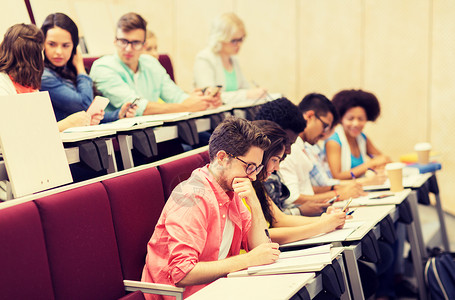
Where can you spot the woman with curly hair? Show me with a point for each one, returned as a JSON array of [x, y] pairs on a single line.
[[349, 151]]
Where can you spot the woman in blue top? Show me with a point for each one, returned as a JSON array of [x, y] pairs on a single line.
[[348, 150], [64, 76]]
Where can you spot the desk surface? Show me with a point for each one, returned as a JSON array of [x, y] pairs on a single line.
[[273, 287], [314, 267], [268, 287], [366, 216], [413, 181], [70, 137], [371, 216], [396, 199]]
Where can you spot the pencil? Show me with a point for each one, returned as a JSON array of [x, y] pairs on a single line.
[[347, 204]]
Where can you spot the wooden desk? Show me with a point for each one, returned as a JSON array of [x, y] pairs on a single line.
[[414, 230], [273, 287], [267, 287], [72, 153], [166, 132]]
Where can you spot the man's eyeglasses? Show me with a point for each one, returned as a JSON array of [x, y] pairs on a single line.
[[237, 41], [123, 43], [250, 168], [324, 124]]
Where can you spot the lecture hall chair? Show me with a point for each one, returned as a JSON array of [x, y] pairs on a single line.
[[136, 202], [80, 240], [164, 60], [174, 172], [23, 255]]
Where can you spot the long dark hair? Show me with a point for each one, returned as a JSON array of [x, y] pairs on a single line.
[[62, 21], [20, 54], [278, 139]]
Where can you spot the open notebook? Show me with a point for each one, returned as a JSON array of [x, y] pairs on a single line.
[[306, 260]]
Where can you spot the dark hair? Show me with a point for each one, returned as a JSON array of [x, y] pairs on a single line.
[[320, 104], [347, 99], [131, 21], [284, 113], [278, 140], [64, 22], [236, 136], [20, 54]]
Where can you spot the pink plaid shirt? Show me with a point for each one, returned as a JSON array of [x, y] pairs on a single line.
[[190, 230]]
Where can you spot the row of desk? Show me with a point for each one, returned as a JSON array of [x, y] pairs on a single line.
[[148, 132], [403, 207], [96, 146]]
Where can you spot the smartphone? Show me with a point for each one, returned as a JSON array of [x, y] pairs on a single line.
[[99, 103], [212, 91], [132, 105], [332, 199], [134, 102]]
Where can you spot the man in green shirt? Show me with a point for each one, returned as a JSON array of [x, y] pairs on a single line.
[[128, 75]]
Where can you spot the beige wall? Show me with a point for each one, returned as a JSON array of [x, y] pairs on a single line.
[[400, 50]]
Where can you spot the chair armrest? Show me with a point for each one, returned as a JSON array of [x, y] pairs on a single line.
[[154, 288]]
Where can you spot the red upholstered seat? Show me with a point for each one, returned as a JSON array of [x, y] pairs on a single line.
[[88, 62], [205, 156], [136, 202], [166, 62], [174, 172], [23, 259], [80, 241]]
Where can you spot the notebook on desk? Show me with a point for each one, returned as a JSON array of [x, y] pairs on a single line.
[[337, 235], [306, 260]]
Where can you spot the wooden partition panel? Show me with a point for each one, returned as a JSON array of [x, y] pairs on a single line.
[[442, 97], [396, 70], [330, 46], [12, 12], [269, 55], [192, 22]]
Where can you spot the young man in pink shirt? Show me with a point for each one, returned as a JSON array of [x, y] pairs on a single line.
[[204, 223]]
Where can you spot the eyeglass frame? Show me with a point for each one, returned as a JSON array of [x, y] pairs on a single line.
[[324, 124], [256, 170], [128, 42], [237, 41]]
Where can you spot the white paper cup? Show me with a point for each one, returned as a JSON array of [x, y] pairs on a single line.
[[423, 152], [395, 174]]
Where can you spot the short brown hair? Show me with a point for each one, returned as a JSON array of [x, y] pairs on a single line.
[[21, 54], [236, 136], [131, 21]]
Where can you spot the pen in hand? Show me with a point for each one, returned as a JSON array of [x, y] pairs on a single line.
[[353, 176], [372, 170], [268, 235], [347, 205]]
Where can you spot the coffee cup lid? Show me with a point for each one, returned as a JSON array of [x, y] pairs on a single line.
[[422, 146], [394, 166]]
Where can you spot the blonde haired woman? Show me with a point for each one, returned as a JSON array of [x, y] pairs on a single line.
[[217, 63]]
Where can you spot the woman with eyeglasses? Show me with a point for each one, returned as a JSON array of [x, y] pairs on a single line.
[[287, 228], [350, 153], [64, 77], [217, 63]]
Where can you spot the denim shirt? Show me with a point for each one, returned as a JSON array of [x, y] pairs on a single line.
[[68, 98]]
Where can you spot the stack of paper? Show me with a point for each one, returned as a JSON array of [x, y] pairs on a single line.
[[298, 261], [338, 235]]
